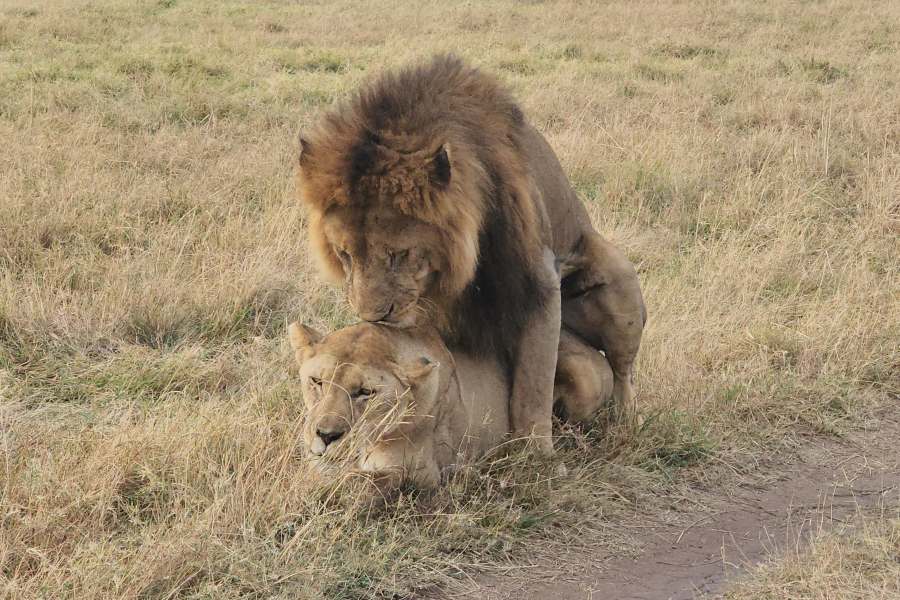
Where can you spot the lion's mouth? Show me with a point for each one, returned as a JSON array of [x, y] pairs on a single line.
[[401, 319]]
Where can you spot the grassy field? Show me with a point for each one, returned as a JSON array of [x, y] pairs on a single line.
[[860, 562], [745, 154]]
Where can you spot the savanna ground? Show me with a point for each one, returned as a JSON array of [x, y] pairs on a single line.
[[857, 562], [745, 154]]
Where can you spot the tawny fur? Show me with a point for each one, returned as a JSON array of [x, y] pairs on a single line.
[[439, 158], [436, 409]]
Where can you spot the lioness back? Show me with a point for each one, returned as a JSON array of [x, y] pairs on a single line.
[[481, 420]]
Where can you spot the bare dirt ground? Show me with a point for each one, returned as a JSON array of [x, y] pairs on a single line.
[[694, 553]]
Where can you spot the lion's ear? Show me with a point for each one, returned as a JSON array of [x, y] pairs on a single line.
[[302, 336], [304, 150], [439, 167]]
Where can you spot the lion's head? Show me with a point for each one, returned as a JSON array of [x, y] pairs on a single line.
[[404, 186], [364, 385], [389, 223], [388, 260]]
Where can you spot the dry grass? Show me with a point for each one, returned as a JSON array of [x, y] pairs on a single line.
[[858, 562], [746, 155]]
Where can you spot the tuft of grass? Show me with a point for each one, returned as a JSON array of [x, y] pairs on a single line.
[[518, 66], [674, 440], [687, 51], [859, 560], [316, 98], [817, 70], [657, 73], [188, 66], [568, 52], [822, 70], [321, 62]]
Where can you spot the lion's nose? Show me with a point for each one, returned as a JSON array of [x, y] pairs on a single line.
[[373, 316], [329, 435]]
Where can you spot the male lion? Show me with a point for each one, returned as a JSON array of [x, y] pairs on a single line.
[[398, 405], [432, 198]]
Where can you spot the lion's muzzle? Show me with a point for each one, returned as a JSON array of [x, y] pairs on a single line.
[[377, 315]]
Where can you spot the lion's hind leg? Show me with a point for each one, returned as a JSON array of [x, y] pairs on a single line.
[[603, 305], [584, 381]]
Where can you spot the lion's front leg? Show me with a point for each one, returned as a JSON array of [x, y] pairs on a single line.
[[531, 402]]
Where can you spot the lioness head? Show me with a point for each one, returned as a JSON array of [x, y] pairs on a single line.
[[363, 385]]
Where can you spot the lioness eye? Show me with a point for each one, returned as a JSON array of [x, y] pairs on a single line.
[[363, 393], [345, 257], [316, 381]]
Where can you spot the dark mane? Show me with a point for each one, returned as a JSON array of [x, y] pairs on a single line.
[[443, 98], [493, 310], [448, 122]]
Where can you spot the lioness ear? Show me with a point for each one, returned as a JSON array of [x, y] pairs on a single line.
[[302, 336], [420, 372], [439, 167]]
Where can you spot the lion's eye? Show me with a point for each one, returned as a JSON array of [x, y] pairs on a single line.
[[315, 381], [363, 394], [345, 257], [396, 258]]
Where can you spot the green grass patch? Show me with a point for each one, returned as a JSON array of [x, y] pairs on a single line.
[[657, 73], [817, 70], [518, 66], [674, 440], [687, 51], [311, 62], [110, 373], [822, 71]]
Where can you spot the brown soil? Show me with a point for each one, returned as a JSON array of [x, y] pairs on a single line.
[[689, 555]]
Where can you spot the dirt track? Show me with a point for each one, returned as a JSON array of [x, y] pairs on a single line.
[[697, 554]]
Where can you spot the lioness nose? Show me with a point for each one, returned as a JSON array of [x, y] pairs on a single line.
[[329, 435]]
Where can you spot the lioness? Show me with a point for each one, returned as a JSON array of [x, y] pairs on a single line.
[[405, 408], [432, 198]]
